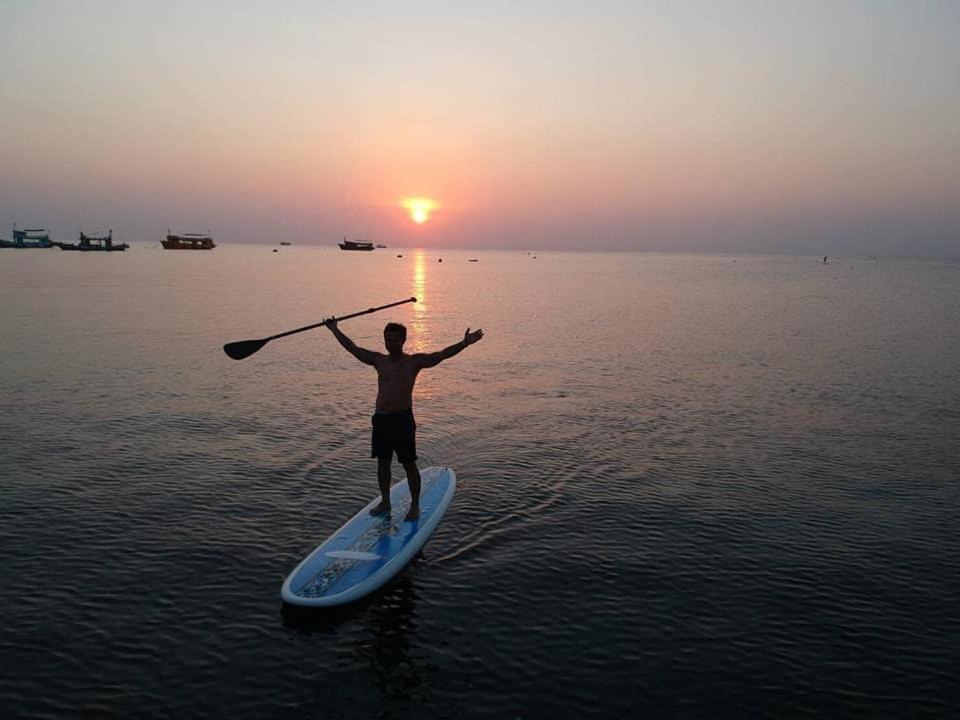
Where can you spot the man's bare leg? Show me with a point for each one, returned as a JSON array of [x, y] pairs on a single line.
[[383, 478], [413, 478]]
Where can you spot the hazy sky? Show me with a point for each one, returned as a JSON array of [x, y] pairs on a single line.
[[811, 127]]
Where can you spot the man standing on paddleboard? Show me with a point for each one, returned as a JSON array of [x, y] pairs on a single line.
[[394, 429]]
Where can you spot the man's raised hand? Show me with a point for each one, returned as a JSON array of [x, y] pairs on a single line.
[[469, 338]]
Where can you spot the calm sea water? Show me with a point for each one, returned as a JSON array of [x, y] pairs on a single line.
[[689, 486]]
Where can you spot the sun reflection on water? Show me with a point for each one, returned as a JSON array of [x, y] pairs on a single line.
[[418, 288]]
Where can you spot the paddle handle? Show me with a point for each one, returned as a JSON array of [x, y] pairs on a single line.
[[345, 317]]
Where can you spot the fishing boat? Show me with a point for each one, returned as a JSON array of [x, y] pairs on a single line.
[[284, 242], [188, 241], [355, 245], [94, 243], [28, 238]]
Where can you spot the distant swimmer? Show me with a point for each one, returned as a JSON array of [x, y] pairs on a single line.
[[824, 259]]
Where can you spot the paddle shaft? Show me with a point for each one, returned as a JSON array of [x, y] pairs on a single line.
[[345, 317]]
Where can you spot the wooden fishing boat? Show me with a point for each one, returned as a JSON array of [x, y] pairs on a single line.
[[355, 245], [37, 238], [94, 243], [188, 241]]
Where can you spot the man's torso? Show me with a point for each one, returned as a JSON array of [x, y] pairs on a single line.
[[395, 381]]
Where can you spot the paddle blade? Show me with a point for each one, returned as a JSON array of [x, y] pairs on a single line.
[[243, 348]]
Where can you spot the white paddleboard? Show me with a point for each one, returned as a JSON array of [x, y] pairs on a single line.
[[369, 550]]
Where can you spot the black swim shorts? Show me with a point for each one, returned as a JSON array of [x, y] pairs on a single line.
[[394, 432]]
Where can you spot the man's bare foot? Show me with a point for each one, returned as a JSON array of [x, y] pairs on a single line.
[[382, 509], [414, 513]]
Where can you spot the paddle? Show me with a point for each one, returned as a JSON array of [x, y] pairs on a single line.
[[245, 348]]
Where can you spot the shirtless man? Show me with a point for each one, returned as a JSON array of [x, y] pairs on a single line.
[[394, 429]]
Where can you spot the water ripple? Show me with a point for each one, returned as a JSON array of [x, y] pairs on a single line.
[[713, 504]]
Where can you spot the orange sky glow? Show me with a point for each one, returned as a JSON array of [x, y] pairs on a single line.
[[691, 128]]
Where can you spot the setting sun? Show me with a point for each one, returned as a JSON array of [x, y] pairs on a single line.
[[419, 208]]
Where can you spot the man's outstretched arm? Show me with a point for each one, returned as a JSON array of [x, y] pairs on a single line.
[[428, 360], [365, 356]]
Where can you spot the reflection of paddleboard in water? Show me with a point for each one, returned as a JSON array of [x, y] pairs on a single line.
[[369, 550]]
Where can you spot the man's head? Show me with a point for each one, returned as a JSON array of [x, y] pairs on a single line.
[[394, 335]]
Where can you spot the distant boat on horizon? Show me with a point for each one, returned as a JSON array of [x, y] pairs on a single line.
[[36, 238], [188, 241], [355, 245], [94, 243]]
